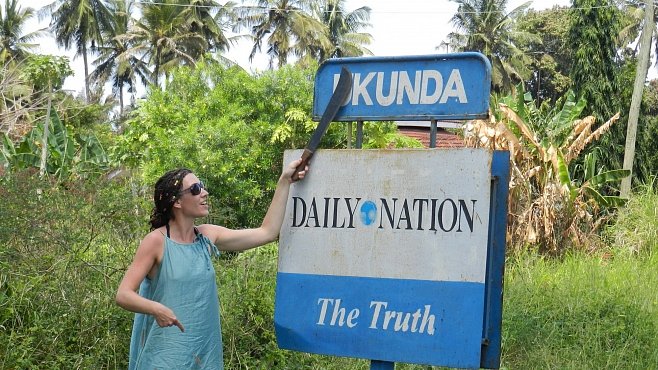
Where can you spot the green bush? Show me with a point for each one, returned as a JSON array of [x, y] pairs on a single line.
[[63, 250]]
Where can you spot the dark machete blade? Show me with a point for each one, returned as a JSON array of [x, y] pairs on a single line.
[[343, 88]]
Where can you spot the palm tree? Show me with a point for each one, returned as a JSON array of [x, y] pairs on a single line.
[[163, 37], [484, 26], [79, 23], [13, 43], [633, 13], [344, 27], [115, 61], [288, 26], [210, 26]]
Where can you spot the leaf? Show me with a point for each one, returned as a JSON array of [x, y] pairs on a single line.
[[615, 201], [590, 165], [592, 193], [583, 129], [609, 176], [7, 149], [601, 130], [571, 110], [512, 116], [563, 174]]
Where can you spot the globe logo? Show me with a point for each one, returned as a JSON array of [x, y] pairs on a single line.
[[368, 212]]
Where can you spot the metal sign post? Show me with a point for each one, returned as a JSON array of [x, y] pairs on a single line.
[[400, 258]]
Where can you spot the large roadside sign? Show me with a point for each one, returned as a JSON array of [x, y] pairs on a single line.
[[426, 87], [390, 258]]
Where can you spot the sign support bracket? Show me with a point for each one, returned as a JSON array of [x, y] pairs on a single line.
[[349, 135], [381, 365], [359, 134], [433, 133]]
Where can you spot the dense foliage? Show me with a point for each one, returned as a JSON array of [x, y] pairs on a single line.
[[597, 69], [595, 64], [646, 157], [549, 55]]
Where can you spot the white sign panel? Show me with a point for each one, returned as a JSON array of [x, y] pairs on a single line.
[[383, 256]]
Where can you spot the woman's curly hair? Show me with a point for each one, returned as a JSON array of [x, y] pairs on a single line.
[[167, 190]]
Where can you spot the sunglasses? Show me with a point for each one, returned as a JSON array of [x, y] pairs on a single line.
[[195, 189]]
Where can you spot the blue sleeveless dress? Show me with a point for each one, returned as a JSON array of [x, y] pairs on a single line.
[[185, 283]]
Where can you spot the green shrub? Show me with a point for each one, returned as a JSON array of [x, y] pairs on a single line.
[[63, 250], [227, 126]]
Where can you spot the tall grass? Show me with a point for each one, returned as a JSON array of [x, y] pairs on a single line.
[[581, 312], [636, 227], [588, 311]]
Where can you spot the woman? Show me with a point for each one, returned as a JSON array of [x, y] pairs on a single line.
[[177, 323]]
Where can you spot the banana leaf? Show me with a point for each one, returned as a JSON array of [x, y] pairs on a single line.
[[27, 153], [7, 149], [604, 200], [615, 201], [564, 176], [561, 124], [608, 176], [590, 165]]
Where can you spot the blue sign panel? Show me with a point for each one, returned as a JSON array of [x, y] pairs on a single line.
[[448, 86], [400, 320]]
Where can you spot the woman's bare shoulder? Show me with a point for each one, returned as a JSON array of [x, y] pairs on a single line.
[[212, 232], [153, 240]]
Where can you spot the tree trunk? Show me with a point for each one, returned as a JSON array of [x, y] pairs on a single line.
[[156, 68], [636, 100], [44, 148], [84, 57], [120, 100]]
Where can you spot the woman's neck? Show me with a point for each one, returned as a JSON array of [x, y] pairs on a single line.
[[182, 230]]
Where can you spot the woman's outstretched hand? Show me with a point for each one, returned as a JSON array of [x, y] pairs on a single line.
[[290, 170]]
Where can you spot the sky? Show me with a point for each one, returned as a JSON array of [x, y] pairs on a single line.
[[416, 28]]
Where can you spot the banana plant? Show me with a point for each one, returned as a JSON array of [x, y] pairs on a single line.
[[69, 155], [547, 203]]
